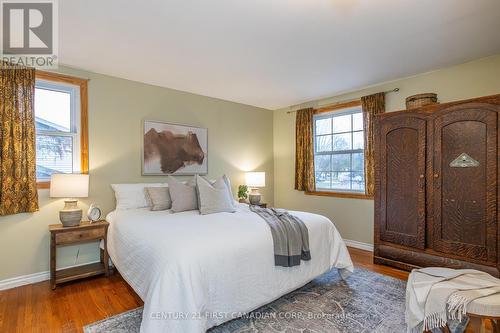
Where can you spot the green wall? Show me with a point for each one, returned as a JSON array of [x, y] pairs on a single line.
[[239, 136], [354, 217]]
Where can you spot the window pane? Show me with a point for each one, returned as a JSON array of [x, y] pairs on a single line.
[[358, 140], [339, 137], [54, 154], [323, 180], [342, 141], [342, 124], [52, 110], [324, 143], [341, 180], [357, 122], [358, 162], [322, 163], [358, 181], [341, 162], [324, 126]]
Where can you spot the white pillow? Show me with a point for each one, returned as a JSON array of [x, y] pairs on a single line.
[[132, 196], [228, 184], [214, 198]]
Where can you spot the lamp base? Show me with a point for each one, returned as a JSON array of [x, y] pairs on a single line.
[[71, 215], [254, 197]]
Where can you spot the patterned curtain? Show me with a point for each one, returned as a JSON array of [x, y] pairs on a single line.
[[372, 105], [18, 190], [304, 155]]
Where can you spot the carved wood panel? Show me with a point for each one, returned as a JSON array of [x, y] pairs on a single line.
[[461, 226], [464, 186], [401, 174]]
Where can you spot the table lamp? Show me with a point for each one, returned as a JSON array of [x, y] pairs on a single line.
[[69, 186], [254, 180]]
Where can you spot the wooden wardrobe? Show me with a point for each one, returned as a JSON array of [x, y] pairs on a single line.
[[437, 186]]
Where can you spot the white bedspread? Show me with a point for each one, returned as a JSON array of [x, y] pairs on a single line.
[[197, 271]]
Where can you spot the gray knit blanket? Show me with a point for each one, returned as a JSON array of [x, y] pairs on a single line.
[[290, 236]]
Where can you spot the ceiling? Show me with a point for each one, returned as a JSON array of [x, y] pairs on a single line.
[[273, 53]]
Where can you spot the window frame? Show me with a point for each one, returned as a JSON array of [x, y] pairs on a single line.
[[81, 85], [339, 109]]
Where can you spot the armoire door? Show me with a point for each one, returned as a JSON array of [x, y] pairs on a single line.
[[401, 161], [464, 187]]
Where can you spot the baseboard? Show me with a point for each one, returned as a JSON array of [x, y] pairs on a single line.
[[44, 276], [359, 245], [19, 281]]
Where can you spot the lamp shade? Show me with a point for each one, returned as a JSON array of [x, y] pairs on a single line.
[[255, 179], [67, 185]]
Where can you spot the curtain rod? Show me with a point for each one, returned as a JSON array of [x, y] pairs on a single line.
[[346, 101]]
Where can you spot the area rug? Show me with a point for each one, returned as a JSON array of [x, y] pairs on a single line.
[[365, 302]]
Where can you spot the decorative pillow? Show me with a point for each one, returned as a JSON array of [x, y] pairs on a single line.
[[214, 198], [226, 181], [228, 184], [132, 196], [159, 197], [183, 195]]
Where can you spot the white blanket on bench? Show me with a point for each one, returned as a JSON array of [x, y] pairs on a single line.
[[434, 295]]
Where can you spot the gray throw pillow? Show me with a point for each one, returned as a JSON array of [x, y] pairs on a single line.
[[183, 195], [214, 198], [226, 180], [159, 198]]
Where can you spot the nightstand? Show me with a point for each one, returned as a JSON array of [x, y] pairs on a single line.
[[84, 233], [261, 205]]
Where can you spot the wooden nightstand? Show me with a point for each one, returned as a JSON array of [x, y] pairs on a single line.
[[84, 233], [261, 205]]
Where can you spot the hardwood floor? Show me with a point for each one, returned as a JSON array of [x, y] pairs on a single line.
[[36, 308], [364, 259]]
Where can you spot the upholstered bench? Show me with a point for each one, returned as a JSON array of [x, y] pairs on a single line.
[[483, 309]]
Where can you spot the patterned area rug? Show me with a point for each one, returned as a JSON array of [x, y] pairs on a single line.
[[365, 302]]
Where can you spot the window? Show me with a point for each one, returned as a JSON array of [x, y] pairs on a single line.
[[339, 150], [60, 121]]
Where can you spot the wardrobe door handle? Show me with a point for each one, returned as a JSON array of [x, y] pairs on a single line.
[[437, 183]]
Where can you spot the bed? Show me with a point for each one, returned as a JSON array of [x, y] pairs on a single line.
[[197, 271]]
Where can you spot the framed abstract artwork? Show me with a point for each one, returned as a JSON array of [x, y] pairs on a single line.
[[172, 149]]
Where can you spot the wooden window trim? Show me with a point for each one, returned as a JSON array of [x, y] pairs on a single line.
[[338, 106], [350, 195], [84, 128]]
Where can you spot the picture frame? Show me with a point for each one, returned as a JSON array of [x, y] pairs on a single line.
[[173, 149]]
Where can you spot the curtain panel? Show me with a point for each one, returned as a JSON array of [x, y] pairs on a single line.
[[304, 150], [18, 189], [372, 105]]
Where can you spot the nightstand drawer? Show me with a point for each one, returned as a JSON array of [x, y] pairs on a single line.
[[79, 235]]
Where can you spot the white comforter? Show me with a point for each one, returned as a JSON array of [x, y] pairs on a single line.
[[197, 271]]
